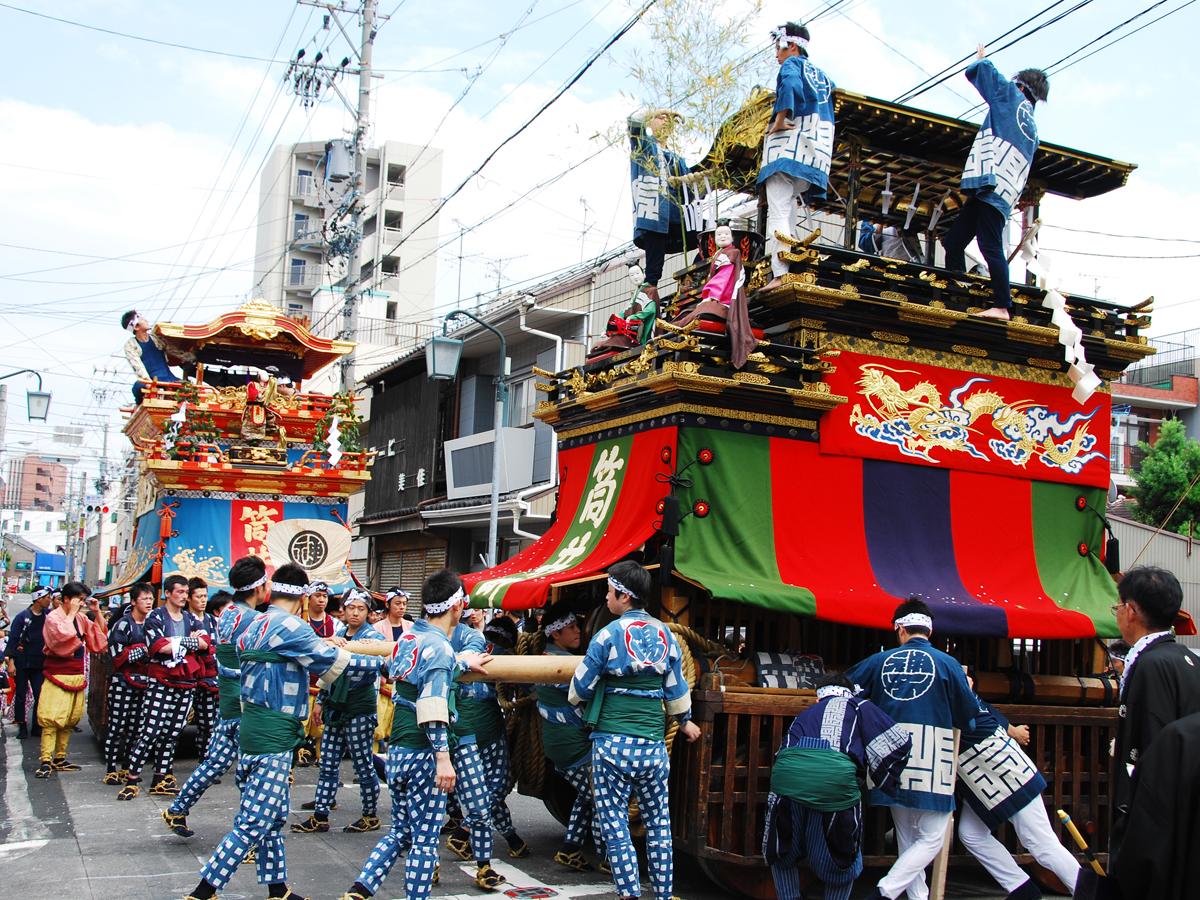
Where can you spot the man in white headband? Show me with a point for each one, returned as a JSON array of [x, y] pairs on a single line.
[[476, 725], [276, 654], [814, 811], [798, 146], [144, 353], [348, 710], [565, 740], [177, 645], [25, 657], [926, 692], [391, 626], [316, 596], [235, 612], [630, 676], [420, 770]]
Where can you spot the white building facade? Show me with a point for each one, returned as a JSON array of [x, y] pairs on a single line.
[[299, 197]]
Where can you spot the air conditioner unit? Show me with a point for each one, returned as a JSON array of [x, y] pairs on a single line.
[[469, 463]]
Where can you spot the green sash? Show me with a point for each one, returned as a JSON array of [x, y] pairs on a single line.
[[343, 702], [479, 717], [643, 717], [564, 745], [268, 731], [229, 689], [405, 730], [826, 780]]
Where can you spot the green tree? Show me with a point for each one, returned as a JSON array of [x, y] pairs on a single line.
[[1169, 470]]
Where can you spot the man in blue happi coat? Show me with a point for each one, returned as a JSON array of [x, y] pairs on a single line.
[[276, 653], [996, 171], [420, 770], [798, 146], [925, 691], [629, 682], [666, 217], [475, 786], [348, 713], [248, 578], [814, 811], [1001, 784], [565, 739]]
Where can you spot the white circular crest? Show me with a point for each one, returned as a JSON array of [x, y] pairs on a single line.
[[818, 81], [1025, 121], [908, 674]]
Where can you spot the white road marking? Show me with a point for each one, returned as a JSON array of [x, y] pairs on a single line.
[[21, 848], [518, 879], [25, 825]]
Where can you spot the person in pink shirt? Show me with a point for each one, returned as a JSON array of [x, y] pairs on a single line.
[[70, 632]]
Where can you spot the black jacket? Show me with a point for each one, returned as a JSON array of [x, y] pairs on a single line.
[[1162, 686], [26, 646]]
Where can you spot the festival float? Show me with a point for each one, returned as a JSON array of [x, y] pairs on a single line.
[[240, 459], [876, 441]]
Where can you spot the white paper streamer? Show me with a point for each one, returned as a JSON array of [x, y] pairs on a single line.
[[335, 443], [1070, 336]]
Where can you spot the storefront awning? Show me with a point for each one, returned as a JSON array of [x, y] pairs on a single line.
[[606, 509]]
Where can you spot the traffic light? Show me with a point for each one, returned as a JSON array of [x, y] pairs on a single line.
[[96, 508]]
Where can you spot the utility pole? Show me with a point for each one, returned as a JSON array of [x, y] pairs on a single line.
[[361, 130]]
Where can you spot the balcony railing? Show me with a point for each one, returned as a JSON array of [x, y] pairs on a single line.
[[393, 332], [305, 188], [304, 278]]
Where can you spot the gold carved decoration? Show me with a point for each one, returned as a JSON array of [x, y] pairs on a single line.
[[947, 360], [1032, 334], [890, 337], [937, 316], [857, 266], [966, 350], [893, 295], [1048, 364], [1134, 348], [736, 415], [750, 378], [932, 279]]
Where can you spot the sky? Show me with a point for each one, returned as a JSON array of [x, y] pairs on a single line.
[[130, 168]]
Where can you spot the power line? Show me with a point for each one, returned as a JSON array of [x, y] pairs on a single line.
[[180, 46], [1054, 69], [440, 205], [1121, 255], [951, 70], [1130, 237]]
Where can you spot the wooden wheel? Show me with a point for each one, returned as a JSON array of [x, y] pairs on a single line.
[[740, 881]]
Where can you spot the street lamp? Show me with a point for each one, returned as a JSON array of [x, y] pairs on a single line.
[[442, 357], [37, 402]]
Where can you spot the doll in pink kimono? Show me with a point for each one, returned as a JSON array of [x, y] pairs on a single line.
[[723, 296]]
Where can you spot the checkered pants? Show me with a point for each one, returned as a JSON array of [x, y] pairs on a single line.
[[124, 717], [621, 764], [494, 757], [357, 734], [222, 753], [164, 714], [418, 809], [207, 706], [261, 815], [474, 794], [579, 776]]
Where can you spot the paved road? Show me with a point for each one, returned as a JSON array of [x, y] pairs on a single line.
[[67, 836]]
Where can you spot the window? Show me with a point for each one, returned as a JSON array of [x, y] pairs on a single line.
[[522, 398], [300, 226], [48, 524], [395, 175], [391, 265], [390, 309]]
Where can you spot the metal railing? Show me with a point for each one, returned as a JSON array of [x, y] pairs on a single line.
[[304, 277], [305, 188], [393, 332]]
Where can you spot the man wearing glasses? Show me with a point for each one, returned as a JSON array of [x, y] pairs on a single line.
[[1161, 681]]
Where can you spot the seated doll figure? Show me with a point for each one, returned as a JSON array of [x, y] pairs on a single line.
[[636, 324], [723, 297]]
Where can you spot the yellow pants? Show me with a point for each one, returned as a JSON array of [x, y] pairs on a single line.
[[58, 712], [311, 729], [384, 711]]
